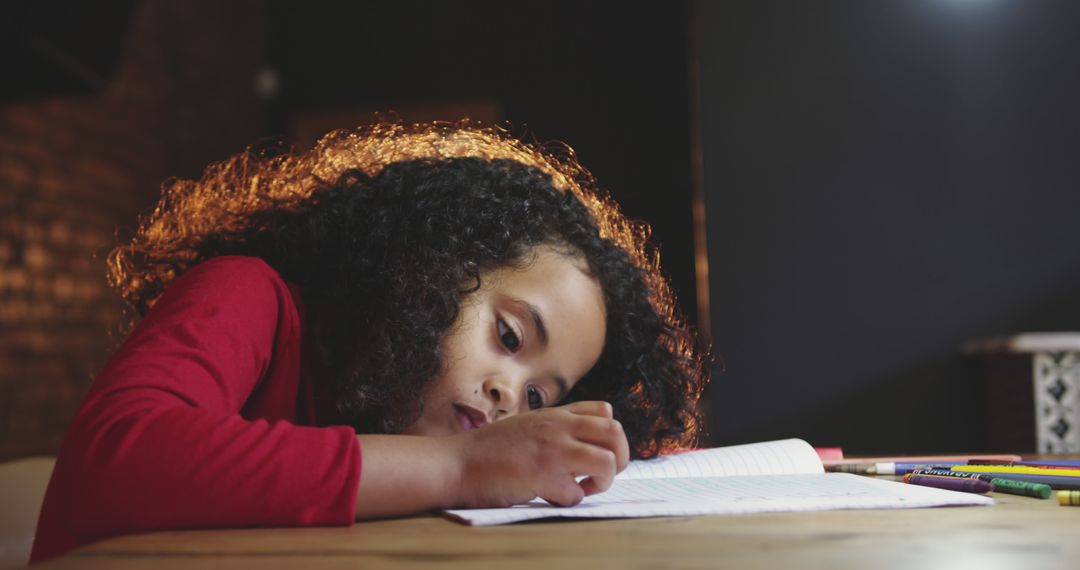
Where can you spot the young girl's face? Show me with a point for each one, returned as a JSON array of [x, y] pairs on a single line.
[[521, 342]]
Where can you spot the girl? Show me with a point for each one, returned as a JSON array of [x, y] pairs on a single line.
[[423, 287]]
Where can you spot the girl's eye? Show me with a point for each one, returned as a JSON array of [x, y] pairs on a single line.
[[536, 400], [508, 337]]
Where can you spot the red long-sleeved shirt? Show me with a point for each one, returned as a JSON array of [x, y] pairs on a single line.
[[207, 416]]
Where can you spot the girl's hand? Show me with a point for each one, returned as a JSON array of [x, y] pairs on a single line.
[[540, 454]]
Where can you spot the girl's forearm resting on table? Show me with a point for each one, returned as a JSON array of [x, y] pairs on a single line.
[[405, 474]]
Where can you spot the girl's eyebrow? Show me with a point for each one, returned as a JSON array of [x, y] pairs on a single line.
[[538, 321]]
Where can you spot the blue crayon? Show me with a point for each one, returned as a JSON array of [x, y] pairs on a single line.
[[905, 468]]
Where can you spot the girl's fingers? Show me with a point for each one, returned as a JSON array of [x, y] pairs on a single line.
[[594, 446], [604, 433], [601, 478], [597, 463], [591, 408], [592, 486], [563, 492]]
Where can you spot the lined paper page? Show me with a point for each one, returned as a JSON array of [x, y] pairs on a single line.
[[770, 457], [732, 495]]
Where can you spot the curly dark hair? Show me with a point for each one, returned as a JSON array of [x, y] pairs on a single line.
[[386, 229]]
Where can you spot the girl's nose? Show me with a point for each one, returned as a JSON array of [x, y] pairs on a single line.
[[503, 395]]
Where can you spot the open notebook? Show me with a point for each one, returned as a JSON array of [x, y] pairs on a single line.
[[774, 476]]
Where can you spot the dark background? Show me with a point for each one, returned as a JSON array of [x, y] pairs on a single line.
[[883, 181], [608, 79]]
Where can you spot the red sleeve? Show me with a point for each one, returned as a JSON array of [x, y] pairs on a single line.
[[160, 442]]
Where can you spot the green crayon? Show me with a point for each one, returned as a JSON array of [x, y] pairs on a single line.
[[1026, 488]]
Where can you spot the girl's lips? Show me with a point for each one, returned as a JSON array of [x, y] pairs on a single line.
[[470, 418]]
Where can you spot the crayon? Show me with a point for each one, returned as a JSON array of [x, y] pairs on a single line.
[[1017, 469], [1052, 463], [951, 483], [1001, 484], [1069, 498], [1043, 463], [950, 473], [1026, 488], [927, 459], [902, 468]]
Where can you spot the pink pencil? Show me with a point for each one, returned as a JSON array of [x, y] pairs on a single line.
[[921, 459]]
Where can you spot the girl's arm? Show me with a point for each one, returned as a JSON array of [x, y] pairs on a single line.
[[404, 474], [161, 442], [537, 454]]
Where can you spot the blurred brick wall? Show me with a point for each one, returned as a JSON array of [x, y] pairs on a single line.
[[68, 175], [74, 175]]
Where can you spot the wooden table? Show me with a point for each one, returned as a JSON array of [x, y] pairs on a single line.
[[1016, 533]]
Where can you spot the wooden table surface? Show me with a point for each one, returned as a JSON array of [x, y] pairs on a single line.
[[1016, 533]]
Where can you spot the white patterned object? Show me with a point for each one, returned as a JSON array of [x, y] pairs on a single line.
[[1057, 401]]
